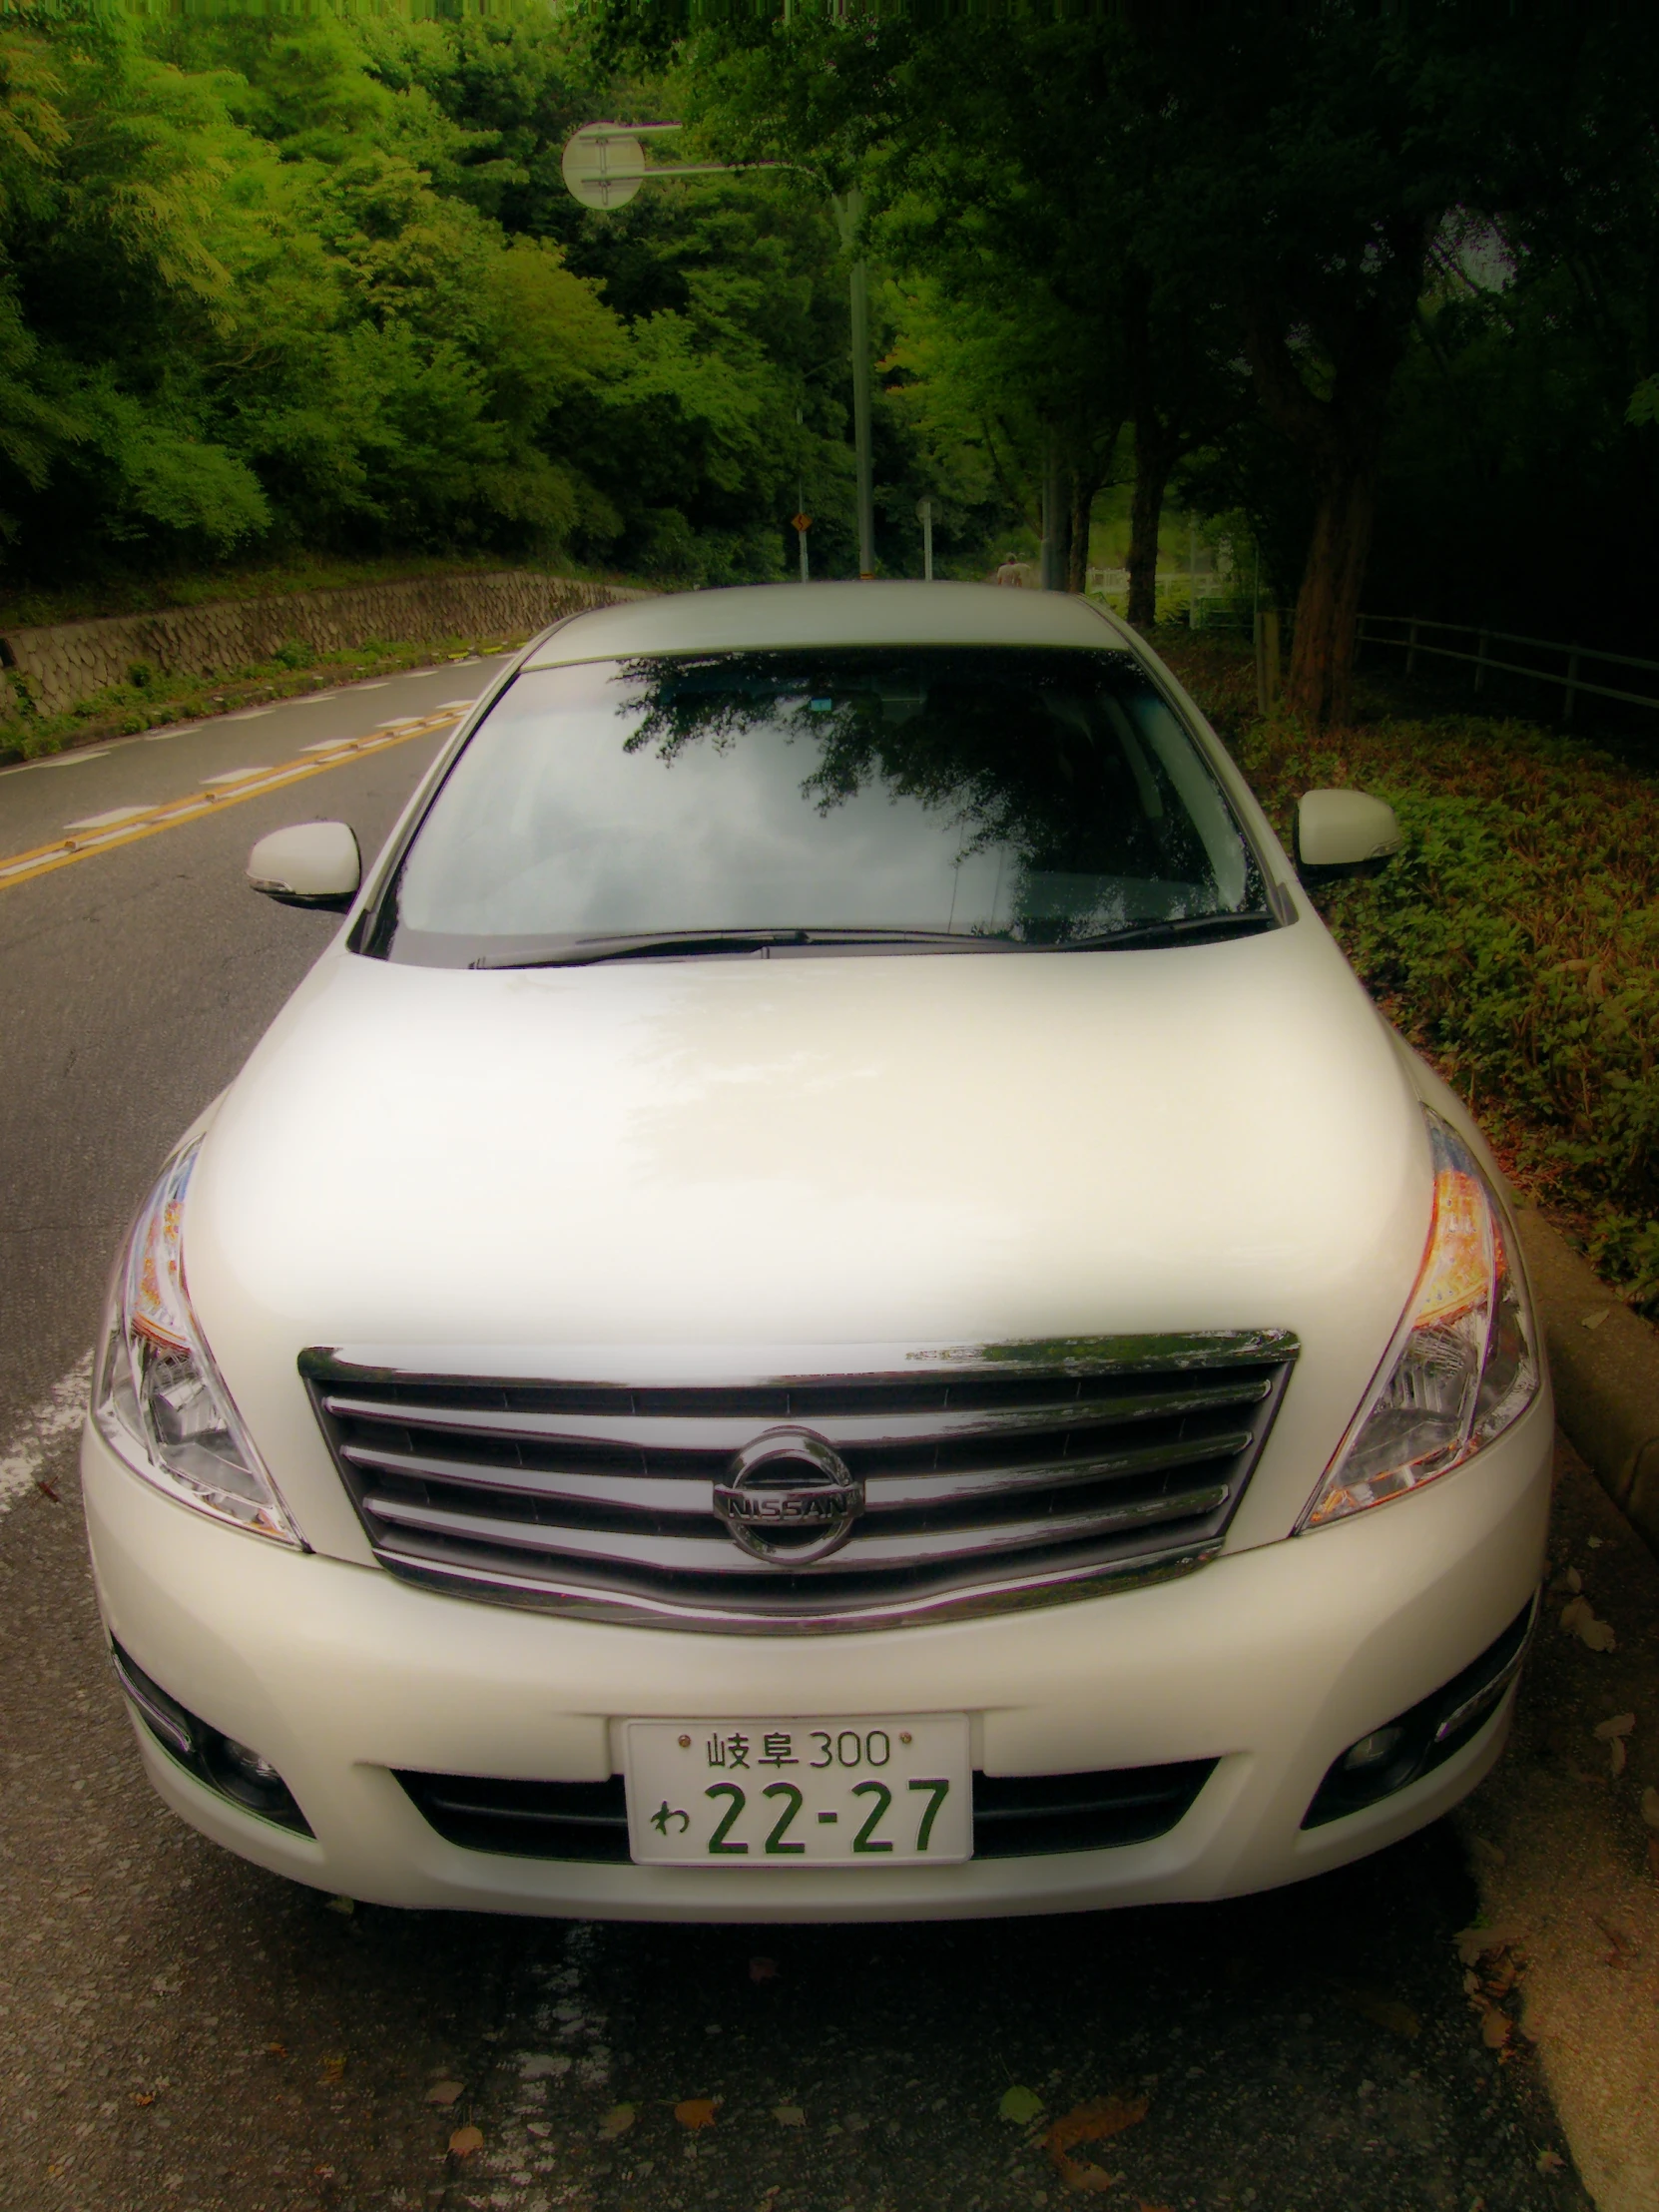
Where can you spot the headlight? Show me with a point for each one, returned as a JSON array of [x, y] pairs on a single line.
[[158, 1398], [1464, 1363]]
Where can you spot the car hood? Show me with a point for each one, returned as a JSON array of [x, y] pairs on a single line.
[[769, 1157]]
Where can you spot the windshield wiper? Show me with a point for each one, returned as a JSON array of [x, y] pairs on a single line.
[[1172, 932], [668, 944]]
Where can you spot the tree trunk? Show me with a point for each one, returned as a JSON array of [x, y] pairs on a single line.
[[1320, 687], [1339, 437], [1084, 484], [1146, 507]]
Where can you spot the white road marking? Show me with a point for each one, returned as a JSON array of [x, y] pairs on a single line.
[[70, 760], [455, 706], [105, 822], [250, 713], [58, 1415], [232, 776]]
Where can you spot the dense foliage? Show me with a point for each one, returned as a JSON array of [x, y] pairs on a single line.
[[277, 281]]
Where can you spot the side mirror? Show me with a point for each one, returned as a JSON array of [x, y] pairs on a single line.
[[1343, 833], [315, 863]]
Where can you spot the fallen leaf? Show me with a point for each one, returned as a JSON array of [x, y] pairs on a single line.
[[1579, 1609], [1092, 2123], [617, 2121], [1502, 1978], [1386, 2012], [333, 2064], [1594, 1320], [277, 2051], [1597, 1635], [543, 2065], [696, 2112], [1494, 2027], [466, 2140], [144, 2096], [342, 1905], [1624, 1948], [763, 1970], [1569, 1579], [1550, 2161], [788, 2115], [1474, 1944], [1617, 1756], [1019, 2105], [1621, 1724], [1650, 1807], [445, 2092]]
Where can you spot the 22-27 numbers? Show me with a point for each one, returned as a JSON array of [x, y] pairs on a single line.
[[925, 1797]]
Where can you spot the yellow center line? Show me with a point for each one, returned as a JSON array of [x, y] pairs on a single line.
[[42, 860]]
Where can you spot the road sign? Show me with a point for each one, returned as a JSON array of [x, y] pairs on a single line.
[[801, 522], [925, 510]]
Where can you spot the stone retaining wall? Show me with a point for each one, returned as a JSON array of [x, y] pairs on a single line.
[[61, 663]]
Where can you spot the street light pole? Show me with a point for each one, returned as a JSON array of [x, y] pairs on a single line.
[[603, 165]]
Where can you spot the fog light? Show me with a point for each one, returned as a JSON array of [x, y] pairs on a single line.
[[236, 1771], [1415, 1743], [1371, 1750], [252, 1768]]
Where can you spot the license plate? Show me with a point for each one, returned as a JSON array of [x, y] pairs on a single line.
[[794, 1793]]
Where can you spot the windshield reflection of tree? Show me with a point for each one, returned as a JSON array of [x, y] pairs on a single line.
[[1039, 761]]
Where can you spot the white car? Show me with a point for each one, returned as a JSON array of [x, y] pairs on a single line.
[[832, 1304]]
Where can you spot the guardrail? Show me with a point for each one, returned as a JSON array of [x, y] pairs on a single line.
[[1407, 631]]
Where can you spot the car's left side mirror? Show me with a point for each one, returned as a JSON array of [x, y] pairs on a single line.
[[1343, 833], [315, 863]]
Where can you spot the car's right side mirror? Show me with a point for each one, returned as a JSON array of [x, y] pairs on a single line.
[[315, 863], [1343, 833]]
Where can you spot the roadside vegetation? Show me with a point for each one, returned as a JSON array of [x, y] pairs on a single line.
[[282, 290], [122, 710], [1515, 941]]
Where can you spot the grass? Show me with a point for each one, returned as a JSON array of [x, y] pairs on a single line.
[[125, 709], [1515, 941]]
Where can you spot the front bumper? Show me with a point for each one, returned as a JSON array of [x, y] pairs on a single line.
[[1269, 1661]]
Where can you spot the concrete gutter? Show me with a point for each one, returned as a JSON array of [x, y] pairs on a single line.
[[1605, 1363]]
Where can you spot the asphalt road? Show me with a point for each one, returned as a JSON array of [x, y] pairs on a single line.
[[179, 2029]]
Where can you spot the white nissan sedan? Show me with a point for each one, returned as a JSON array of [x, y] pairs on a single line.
[[832, 1304]]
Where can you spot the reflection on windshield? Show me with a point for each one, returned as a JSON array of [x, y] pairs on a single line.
[[1034, 798]]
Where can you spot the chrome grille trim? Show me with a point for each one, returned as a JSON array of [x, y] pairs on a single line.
[[989, 1476]]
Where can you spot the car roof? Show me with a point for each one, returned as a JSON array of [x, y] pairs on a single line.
[[759, 617]]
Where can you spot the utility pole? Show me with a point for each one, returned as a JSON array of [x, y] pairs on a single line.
[[603, 165], [849, 213], [925, 515]]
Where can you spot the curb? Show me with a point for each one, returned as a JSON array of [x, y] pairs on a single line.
[[1604, 1360]]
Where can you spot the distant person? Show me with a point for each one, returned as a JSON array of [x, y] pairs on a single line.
[[1011, 572]]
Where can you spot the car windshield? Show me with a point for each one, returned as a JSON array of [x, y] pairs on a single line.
[[994, 798]]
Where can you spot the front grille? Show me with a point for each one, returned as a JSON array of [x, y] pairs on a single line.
[[1014, 1816], [986, 1477]]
